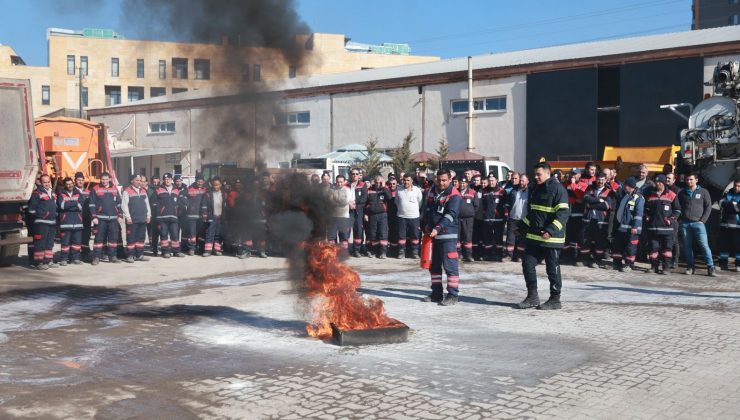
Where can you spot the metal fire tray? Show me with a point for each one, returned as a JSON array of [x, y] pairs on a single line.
[[398, 333]]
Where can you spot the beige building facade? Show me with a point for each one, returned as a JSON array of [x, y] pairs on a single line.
[[117, 71]]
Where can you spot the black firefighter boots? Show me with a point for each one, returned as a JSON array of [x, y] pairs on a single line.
[[434, 297], [449, 300], [532, 300], [551, 304]]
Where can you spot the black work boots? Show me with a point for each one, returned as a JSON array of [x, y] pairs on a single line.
[[551, 304], [532, 300]]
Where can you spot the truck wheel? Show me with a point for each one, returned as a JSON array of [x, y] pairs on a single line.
[[9, 253]]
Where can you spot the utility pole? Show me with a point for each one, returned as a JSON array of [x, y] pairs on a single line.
[[79, 83]]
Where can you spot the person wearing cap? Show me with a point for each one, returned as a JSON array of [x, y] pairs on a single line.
[[598, 200], [662, 211], [43, 210], [105, 208], [137, 213], [213, 206], [153, 225], [168, 197], [628, 223], [494, 214], [86, 215], [696, 207], [376, 216], [193, 230], [70, 205], [469, 204]]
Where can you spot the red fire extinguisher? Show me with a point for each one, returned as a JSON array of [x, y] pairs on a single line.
[[426, 252]]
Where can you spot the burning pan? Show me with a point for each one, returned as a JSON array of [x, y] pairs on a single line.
[[398, 333]]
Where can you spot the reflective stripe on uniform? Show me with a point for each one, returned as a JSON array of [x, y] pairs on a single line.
[[557, 224], [542, 208], [539, 238]]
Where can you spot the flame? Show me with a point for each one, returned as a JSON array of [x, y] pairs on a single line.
[[332, 288]]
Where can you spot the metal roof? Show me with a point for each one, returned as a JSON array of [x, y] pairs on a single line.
[[352, 154], [580, 51]]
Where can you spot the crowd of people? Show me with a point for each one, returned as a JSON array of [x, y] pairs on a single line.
[[378, 217]]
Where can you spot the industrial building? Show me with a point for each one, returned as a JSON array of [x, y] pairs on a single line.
[[715, 13], [557, 102], [93, 68]]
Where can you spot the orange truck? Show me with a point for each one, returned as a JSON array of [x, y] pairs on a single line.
[[71, 145], [626, 160]]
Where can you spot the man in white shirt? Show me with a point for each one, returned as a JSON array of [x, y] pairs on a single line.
[[409, 201]]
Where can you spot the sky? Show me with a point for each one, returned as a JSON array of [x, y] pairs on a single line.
[[432, 27]]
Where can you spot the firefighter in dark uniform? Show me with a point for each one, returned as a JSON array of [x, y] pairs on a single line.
[[214, 208], [597, 200], [86, 215], [493, 215], [43, 210], [662, 211], [376, 215], [153, 226], [357, 209], [628, 225], [468, 207], [137, 213], [729, 227], [70, 204], [168, 197], [546, 220], [440, 223], [105, 208], [193, 229]]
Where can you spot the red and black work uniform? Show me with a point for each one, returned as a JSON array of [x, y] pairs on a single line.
[[168, 211], [393, 231], [43, 209], [517, 202], [661, 212], [548, 212], [136, 211], [469, 203], [259, 208], [193, 230], [71, 205], [478, 226], [441, 214], [574, 229], [598, 203], [628, 221], [493, 216], [376, 209], [86, 221], [105, 206], [213, 208], [729, 228], [153, 227], [359, 195]]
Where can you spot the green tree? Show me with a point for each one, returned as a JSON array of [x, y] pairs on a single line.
[[443, 149], [371, 165], [402, 161]]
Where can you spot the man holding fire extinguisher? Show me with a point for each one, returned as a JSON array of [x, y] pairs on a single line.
[[440, 227]]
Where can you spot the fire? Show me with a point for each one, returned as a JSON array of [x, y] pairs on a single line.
[[332, 287]]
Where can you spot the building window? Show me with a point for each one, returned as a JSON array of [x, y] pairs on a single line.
[[84, 96], [167, 127], [202, 69], [733, 20], [114, 67], [256, 73], [495, 104], [140, 68], [180, 68], [293, 118], [45, 95], [70, 64], [162, 69], [245, 72], [291, 72], [135, 93], [179, 90], [112, 95], [83, 65], [157, 91]]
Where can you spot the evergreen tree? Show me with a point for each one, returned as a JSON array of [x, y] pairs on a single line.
[[402, 161], [443, 149], [371, 166]]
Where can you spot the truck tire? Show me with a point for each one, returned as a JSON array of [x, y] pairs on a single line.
[[9, 253]]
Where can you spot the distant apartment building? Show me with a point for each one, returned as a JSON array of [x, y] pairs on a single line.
[[117, 71], [715, 13]]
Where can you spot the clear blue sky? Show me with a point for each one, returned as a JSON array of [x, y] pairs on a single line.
[[440, 27]]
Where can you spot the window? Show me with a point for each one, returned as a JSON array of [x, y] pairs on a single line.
[[83, 65], [70, 64], [245, 72], [495, 104], [179, 90], [291, 72], [167, 127], [112, 95], [162, 69], [180, 68], [140, 68], [157, 91], [733, 20], [84, 96], [114, 67], [45, 95], [202, 69], [293, 118], [135, 93], [256, 73]]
